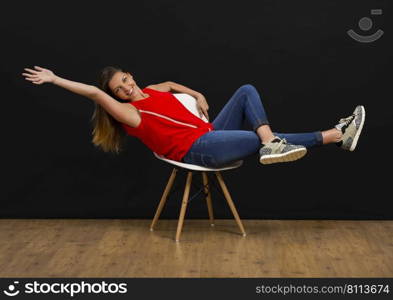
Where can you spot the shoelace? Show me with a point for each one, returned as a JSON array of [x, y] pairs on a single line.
[[347, 120], [280, 143]]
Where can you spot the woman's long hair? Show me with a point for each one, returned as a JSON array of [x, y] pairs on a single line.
[[107, 132]]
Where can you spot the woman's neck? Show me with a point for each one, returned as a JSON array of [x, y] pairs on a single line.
[[143, 96], [140, 95]]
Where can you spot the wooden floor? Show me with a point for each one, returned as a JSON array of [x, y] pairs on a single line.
[[126, 248]]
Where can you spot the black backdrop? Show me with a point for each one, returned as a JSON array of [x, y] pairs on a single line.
[[297, 54]]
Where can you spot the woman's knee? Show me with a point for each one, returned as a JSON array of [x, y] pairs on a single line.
[[248, 88]]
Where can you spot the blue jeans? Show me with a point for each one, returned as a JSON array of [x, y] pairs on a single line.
[[228, 142]]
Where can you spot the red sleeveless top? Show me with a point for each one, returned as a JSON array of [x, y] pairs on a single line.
[[167, 127]]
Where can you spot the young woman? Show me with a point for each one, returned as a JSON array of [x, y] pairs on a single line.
[[164, 125]]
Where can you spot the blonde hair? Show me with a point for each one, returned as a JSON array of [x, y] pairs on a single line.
[[108, 134]]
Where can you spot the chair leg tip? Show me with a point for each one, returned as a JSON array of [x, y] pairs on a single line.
[[244, 234], [151, 229], [212, 225], [177, 241]]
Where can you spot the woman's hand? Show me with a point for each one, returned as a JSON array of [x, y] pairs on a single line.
[[202, 106], [40, 76]]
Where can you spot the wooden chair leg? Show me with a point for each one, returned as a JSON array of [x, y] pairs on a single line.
[[208, 197], [184, 205], [230, 202], [163, 198]]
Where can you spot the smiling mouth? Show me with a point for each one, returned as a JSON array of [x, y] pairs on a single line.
[[130, 91]]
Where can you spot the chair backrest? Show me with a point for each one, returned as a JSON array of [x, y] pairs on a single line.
[[190, 103]]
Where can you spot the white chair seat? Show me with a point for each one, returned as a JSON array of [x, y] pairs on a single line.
[[199, 168]]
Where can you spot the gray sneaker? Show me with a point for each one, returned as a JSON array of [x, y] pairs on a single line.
[[351, 127], [278, 150]]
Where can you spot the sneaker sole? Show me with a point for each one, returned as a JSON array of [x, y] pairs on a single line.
[[356, 138], [283, 157]]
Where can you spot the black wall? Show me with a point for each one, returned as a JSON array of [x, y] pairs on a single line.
[[309, 72]]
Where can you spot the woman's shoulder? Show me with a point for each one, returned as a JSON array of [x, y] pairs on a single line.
[[156, 93], [160, 87], [152, 89]]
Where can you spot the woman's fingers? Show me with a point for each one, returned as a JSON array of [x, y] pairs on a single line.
[[29, 75], [204, 109], [206, 114], [32, 71], [34, 76], [32, 79], [200, 111], [39, 81]]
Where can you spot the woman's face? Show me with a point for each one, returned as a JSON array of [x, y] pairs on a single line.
[[123, 86]]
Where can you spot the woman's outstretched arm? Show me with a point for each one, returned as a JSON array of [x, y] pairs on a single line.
[[123, 113], [41, 75]]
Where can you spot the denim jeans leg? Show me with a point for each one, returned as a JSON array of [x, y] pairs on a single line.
[[221, 147], [245, 104]]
